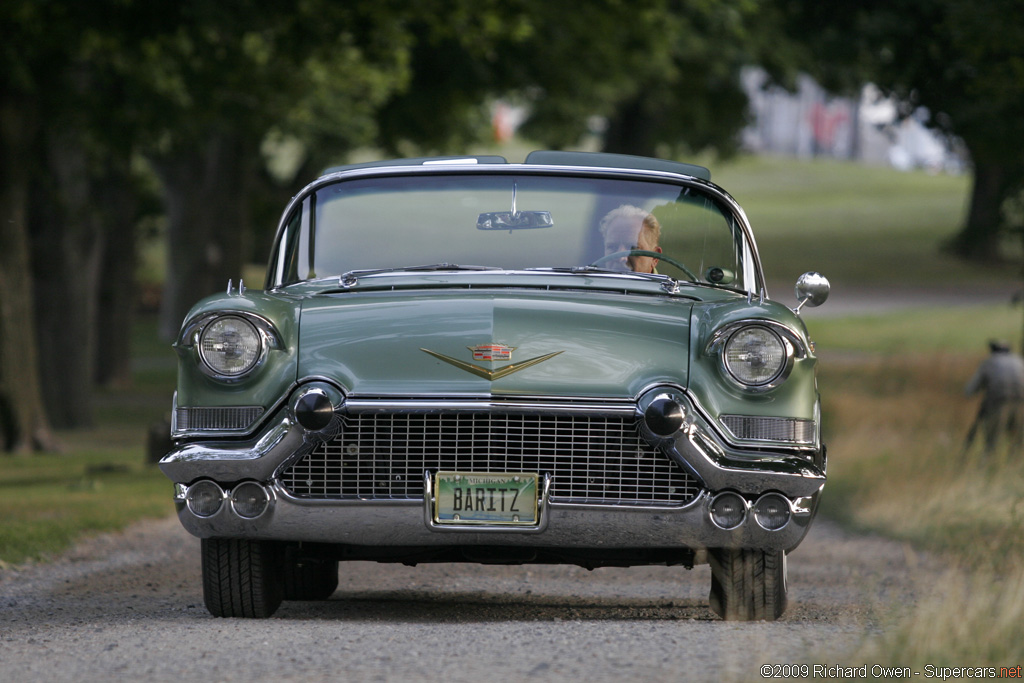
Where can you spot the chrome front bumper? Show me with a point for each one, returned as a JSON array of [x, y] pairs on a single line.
[[696, 446], [405, 523]]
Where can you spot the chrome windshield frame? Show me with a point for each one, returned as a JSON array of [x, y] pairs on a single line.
[[754, 287]]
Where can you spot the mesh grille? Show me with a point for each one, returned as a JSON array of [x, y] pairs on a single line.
[[590, 459], [217, 419], [770, 428]]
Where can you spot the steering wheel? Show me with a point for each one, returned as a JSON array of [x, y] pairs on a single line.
[[653, 254]]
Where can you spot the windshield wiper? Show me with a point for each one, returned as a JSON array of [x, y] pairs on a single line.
[[350, 278], [597, 269]]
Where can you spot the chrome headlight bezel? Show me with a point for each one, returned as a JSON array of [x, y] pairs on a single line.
[[195, 331], [791, 348], [247, 350]]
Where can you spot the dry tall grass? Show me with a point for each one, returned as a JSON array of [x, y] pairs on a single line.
[[896, 426]]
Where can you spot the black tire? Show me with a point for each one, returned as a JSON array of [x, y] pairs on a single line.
[[242, 578], [310, 579], [748, 585]]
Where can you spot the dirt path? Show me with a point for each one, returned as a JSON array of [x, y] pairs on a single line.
[[129, 606]]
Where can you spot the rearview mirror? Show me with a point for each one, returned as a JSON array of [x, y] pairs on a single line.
[[811, 290], [514, 220]]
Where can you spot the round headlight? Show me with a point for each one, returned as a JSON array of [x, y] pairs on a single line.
[[755, 355], [249, 500], [771, 511], [230, 346], [728, 510], [204, 498]]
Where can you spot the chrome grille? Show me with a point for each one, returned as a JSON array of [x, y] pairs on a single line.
[[590, 459]]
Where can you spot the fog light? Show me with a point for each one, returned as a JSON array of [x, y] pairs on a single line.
[[771, 512], [204, 498], [728, 510], [249, 500]]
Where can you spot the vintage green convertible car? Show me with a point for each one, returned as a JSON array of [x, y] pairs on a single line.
[[567, 360]]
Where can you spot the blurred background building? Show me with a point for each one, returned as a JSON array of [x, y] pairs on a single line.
[[810, 122]]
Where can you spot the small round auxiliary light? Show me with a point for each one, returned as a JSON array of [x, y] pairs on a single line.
[[728, 510], [204, 498], [314, 410], [664, 416], [771, 512], [249, 500]]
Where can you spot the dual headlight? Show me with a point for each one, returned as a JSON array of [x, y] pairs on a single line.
[[756, 356]]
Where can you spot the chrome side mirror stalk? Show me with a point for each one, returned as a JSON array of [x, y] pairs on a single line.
[[812, 290]]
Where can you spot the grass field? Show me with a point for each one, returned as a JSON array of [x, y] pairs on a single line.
[[892, 384], [895, 421]]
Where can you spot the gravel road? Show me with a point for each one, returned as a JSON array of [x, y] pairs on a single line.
[[129, 606]]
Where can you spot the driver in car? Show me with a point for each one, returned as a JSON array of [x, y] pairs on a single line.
[[628, 228]]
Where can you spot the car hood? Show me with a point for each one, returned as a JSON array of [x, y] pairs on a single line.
[[544, 343]]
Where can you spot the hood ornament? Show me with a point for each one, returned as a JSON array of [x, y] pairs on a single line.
[[491, 352]]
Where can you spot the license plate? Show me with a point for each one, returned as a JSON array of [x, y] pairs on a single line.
[[502, 499]]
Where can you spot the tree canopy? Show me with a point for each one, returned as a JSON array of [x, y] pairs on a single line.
[[101, 102], [962, 59]]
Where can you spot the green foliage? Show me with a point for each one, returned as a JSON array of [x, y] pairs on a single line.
[[959, 58]]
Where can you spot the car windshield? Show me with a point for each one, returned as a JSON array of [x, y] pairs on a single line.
[[512, 222]]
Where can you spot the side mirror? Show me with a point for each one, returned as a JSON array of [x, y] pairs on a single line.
[[811, 290]]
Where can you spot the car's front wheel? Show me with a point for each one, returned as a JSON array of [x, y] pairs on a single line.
[[242, 578], [748, 585], [310, 579]]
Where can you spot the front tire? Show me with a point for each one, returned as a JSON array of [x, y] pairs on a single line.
[[310, 579], [748, 585], [242, 578]]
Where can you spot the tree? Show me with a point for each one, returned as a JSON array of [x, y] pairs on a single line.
[[222, 80], [959, 58], [23, 421], [663, 74], [27, 48]]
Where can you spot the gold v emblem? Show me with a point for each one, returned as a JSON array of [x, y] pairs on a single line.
[[490, 374]]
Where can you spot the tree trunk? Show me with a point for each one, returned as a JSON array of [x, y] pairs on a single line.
[[67, 245], [978, 239], [23, 421], [205, 194], [630, 130], [117, 279]]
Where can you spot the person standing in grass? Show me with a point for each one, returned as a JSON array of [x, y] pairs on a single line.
[[1001, 378]]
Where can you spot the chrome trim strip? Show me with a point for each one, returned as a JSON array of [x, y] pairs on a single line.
[[384, 405]]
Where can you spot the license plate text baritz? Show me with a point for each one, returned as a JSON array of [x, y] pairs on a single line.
[[486, 498], [490, 499]]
